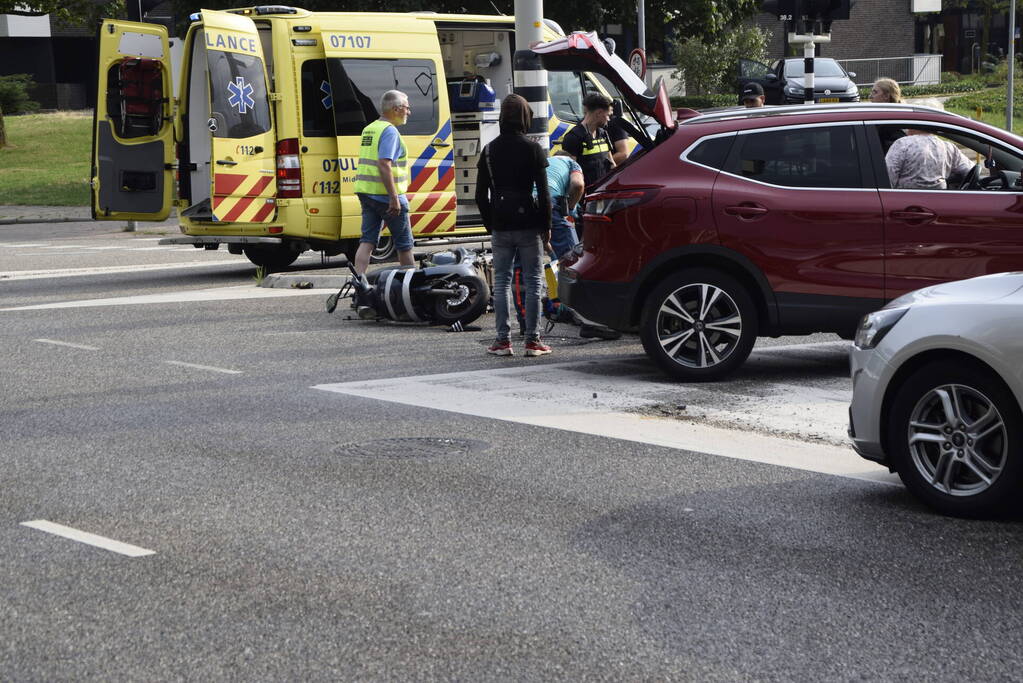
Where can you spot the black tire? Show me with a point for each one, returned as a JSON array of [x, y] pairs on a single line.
[[386, 250], [966, 462], [691, 350], [467, 306], [271, 257]]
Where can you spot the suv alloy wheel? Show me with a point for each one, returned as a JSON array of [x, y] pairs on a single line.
[[699, 325]]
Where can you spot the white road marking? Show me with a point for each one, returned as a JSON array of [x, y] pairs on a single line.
[[90, 539], [237, 293], [69, 344], [797, 426], [203, 367], [22, 246], [9, 275]]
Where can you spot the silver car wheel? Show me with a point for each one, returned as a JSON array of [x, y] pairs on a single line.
[[958, 440], [698, 325]]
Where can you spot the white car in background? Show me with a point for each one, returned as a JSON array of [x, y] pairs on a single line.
[[937, 388]]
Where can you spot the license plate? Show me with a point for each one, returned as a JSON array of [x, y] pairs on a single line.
[[828, 99]]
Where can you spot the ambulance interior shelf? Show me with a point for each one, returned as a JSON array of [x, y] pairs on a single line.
[[136, 96]]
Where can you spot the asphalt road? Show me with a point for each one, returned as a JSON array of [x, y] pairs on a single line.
[[298, 533]]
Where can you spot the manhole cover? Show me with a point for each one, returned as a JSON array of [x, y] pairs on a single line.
[[413, 447]]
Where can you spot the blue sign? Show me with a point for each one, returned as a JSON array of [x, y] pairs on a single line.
[[241, 95], [328, 100]]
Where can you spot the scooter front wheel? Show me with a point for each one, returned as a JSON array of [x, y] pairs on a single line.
[[467, 305]]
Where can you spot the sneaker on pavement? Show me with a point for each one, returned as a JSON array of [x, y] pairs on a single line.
[[535, 347], [501, 347]]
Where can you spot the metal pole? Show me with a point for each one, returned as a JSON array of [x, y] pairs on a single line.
[[530, 78], [1010, 94], [642, 25], [809, 50]]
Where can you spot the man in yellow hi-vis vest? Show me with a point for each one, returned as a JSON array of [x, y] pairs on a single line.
[[382, 180]]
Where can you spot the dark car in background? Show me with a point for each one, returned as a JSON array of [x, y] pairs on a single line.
[[782, 221], [783, 81]]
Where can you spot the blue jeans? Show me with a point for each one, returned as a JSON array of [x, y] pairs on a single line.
[[563, 236], [374, 212], [526, 245]]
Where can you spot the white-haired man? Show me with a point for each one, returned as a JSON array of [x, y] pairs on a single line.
[[382, 180]]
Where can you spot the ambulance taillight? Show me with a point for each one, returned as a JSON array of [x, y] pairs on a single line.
[[289, 171]]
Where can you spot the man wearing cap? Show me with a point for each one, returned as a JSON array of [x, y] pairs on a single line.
[[752, 96]]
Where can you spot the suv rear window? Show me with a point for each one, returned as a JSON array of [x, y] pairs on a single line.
[[712, 152], [799, 157]]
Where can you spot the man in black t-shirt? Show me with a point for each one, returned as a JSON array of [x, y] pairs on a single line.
[[619, 141], [588, 142]]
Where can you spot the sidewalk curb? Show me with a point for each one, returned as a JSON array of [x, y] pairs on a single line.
[[37, 219]]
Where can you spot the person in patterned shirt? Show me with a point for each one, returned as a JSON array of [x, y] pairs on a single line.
[[924, 161]]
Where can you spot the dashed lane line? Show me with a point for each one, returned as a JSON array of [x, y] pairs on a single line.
[[210, 368], [87, 538], [68, 344]]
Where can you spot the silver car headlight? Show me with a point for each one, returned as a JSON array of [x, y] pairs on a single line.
[[852, 89], [876, 325]]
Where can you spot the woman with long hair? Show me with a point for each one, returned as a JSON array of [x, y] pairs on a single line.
[[886, 90], [509, 170]]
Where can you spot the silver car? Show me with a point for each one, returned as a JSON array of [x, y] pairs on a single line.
[[937, 387]]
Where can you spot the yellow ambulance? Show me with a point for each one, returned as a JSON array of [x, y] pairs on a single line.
[[257, 149]]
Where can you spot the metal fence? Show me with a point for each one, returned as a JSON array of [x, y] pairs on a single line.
[[913, 70]]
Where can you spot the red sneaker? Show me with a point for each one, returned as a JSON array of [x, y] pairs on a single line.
[[535, 347], [502, 347]]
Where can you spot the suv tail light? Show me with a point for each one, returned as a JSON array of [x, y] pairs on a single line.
[[289, 170], [600, 206]]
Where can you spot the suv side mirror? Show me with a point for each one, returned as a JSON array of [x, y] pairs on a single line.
[[616, 108], [771, 78], [852, 74]]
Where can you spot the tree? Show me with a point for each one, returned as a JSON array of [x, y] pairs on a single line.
[[690, 18], [705, 64]]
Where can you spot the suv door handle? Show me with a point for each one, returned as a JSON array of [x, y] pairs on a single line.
[[226, 162], [440, 144], [914, 214], [747, 211]]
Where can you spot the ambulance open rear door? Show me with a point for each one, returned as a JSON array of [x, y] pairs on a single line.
[[133, 133], [242, 174]]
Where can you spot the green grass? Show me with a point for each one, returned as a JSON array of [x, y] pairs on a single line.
[[991, 104], [47, 159]]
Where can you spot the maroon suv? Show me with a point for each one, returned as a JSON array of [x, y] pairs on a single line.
[[767, 222], [777, 221]]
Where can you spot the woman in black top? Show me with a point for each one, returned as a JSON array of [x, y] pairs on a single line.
[[519, 221]]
